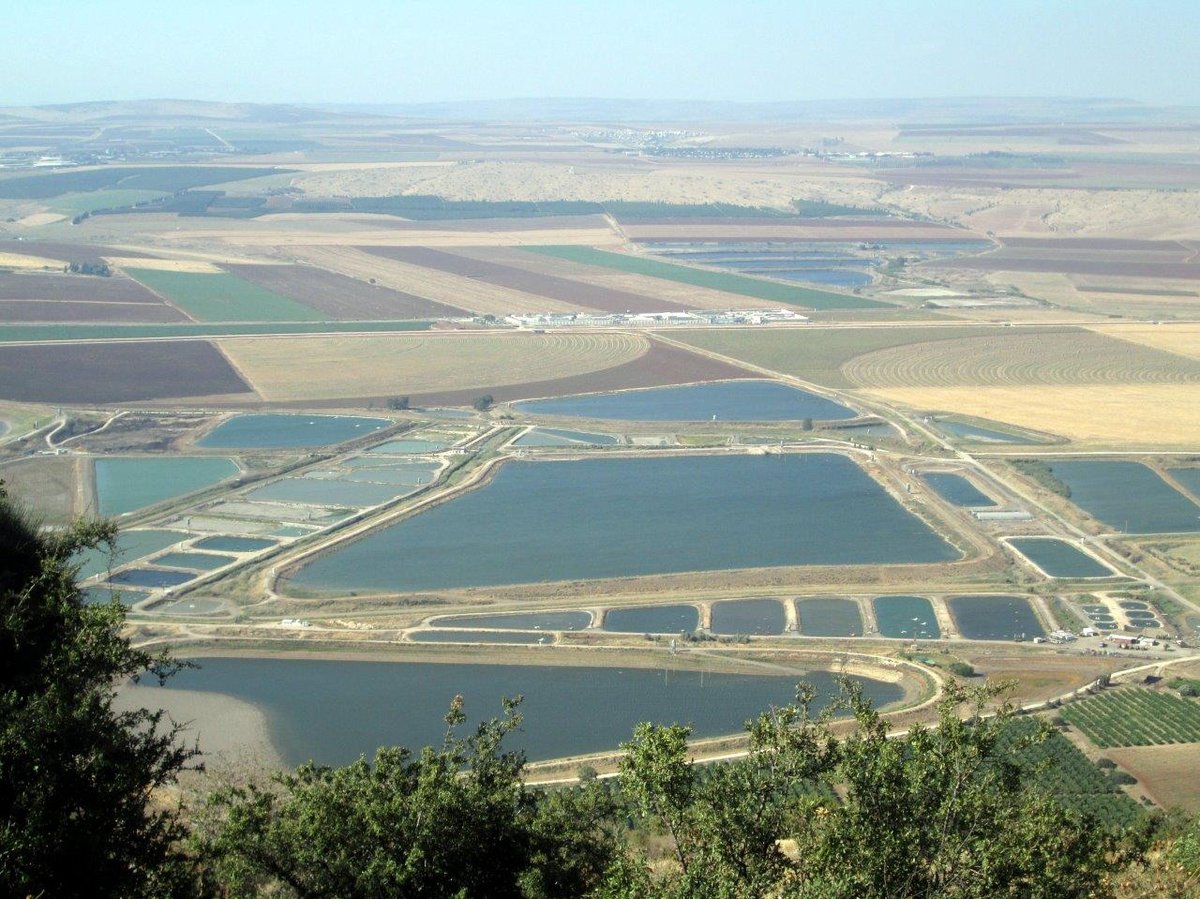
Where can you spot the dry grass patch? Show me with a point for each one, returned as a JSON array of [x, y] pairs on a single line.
[[1183, 339], [1124, 415], [1167, 773], [1021, 357], [441, 287], [193, 266], [21, 261], [316, 368]]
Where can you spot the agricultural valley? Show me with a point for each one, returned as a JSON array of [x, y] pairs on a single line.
[[640, 419]]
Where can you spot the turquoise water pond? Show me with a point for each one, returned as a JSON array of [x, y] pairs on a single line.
[[409, 447], [529, 621], [104, 593], [325, 492], [1128, 497], [909, 617], [289, 431], [128, 547], [829, 618], [127, 484], [750, 617], [995, 617], [1058, 558], [721, 401], [956, 489], [976, 433], [597, 518], [333, 711], [234, 544], [675, 619]]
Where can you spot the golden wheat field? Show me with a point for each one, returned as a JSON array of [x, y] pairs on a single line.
[[299, 368], [1021, 357], [1183, 339], [1119, 415]]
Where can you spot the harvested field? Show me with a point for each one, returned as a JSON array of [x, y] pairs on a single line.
[[759, 289], [115, 372], [1167, 773], [817, 354], [686, 295], [195, 266], [340, 297], [1021, 357], [1123, 415], [1130, 265], [66, 252], [341, 367], [1183, 339], [54, 487], [810, 230], [662, 366], [1092, 244], [20, 261], [577, 293], [68, 311], [445, 289], [75, 288], [223, 297]]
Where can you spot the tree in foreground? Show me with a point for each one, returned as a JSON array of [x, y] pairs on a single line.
[[944, 812], [78, 810], [451, 821]]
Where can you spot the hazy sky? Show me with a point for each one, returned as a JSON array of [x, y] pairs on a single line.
[[411, 50]]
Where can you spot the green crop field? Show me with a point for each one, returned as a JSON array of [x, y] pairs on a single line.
[[725, 281], [1057, 767], [816, 355], [39, 333], [223, 297], [1136, 717], [90, 201]]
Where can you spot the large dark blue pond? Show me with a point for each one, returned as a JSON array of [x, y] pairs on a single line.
[[720, 401], [601, 518], [1128, 496], [333, 711]]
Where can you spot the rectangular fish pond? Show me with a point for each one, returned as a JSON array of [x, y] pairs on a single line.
[[673, 619], [907, 617], [749, 400], [748, 617], [986, 617], [1127, 496], [224, 543], [289, 431], [1058, 558], [601, 518], [333, 711], [130, 483], [829, 617], [128, 547], [955, 488], [559, 437]]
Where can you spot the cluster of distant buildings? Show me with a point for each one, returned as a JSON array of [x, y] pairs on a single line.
[[542, 321]]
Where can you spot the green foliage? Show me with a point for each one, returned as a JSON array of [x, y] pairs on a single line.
[[76, 775], [1136, 717], [483, 403], [398, 403], [454, 821], [944, 812], [1185, 686], [1039, 472], [961, 669]]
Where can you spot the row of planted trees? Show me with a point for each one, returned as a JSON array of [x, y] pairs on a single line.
[[86, 807]]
